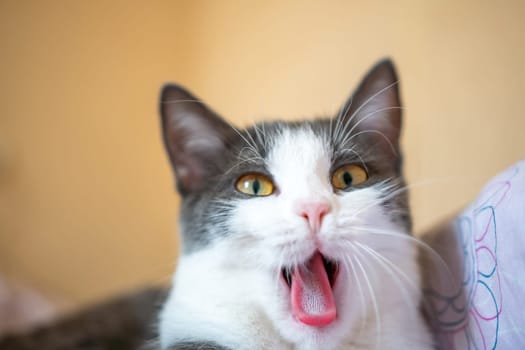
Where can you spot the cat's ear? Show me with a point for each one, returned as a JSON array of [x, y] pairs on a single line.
[[374, 110], [195, 137]]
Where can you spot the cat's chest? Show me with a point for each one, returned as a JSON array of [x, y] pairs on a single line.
[[210, 302]]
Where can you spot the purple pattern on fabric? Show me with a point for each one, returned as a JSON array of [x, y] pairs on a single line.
[[485, 312]]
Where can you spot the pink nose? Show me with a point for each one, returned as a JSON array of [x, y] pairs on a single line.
[[314, 213]]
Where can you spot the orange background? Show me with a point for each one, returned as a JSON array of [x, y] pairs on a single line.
[[87, 207]]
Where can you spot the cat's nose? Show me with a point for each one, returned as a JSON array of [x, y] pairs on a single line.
[[314, 212]]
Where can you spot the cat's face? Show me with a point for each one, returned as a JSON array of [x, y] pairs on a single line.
[[305, 209]]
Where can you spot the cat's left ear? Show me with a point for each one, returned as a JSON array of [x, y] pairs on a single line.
[[374, 110], [196, 138]]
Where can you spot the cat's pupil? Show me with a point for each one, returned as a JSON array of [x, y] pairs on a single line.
[[347, 178], [256, 187]]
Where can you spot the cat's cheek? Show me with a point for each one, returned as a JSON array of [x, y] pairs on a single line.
[[255, 216]]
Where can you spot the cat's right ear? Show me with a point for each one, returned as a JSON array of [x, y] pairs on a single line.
[[194, 136]]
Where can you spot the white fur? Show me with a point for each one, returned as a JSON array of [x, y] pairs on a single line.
[[232, 291]]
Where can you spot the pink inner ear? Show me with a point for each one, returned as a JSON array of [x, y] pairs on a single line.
[[190, 172], [184, 175], [194, 135], [376, 107]]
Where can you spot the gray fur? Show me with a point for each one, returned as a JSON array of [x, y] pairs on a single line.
[[206, 174]]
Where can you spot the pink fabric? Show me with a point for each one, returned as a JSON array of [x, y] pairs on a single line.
[[479, 303]]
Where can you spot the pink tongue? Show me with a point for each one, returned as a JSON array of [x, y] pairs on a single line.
[[312, 298]]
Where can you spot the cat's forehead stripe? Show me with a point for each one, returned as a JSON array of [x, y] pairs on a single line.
[[296, 144], [298, 153]]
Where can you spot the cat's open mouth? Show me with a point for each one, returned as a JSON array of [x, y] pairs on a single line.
[[311, 290]]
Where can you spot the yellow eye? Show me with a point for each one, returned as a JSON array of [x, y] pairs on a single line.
[[255, 185], [348, 175]]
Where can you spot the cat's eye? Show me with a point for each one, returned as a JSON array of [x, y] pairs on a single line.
[[255, 185], [348, 175]]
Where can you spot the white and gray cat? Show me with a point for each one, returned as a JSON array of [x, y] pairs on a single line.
[[296, 235]]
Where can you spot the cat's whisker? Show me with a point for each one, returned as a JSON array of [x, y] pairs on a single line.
[[390, 194], [260, 134], [349, 135], [411, 283], [391, 271], [351, 150], [344, 125], [241, 162], [249, 135], [388, 184], [278, 271], [416, 184], [224, 201], [373, 296], [251, 154], [360, 289], [399, 211], [389, 266], [330, 133], [408, 238], [372, 131], [222, 206], [367, 101], [219, 217], [339, 120], [381, 199], [266, 139], [249, 144], [356, 112]]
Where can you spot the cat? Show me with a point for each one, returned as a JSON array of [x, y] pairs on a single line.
[[295, 235], [125, 322]]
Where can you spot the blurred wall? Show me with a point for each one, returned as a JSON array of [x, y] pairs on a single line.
[[86, 196]]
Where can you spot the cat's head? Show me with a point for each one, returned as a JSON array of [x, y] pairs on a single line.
[[303, 202]]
